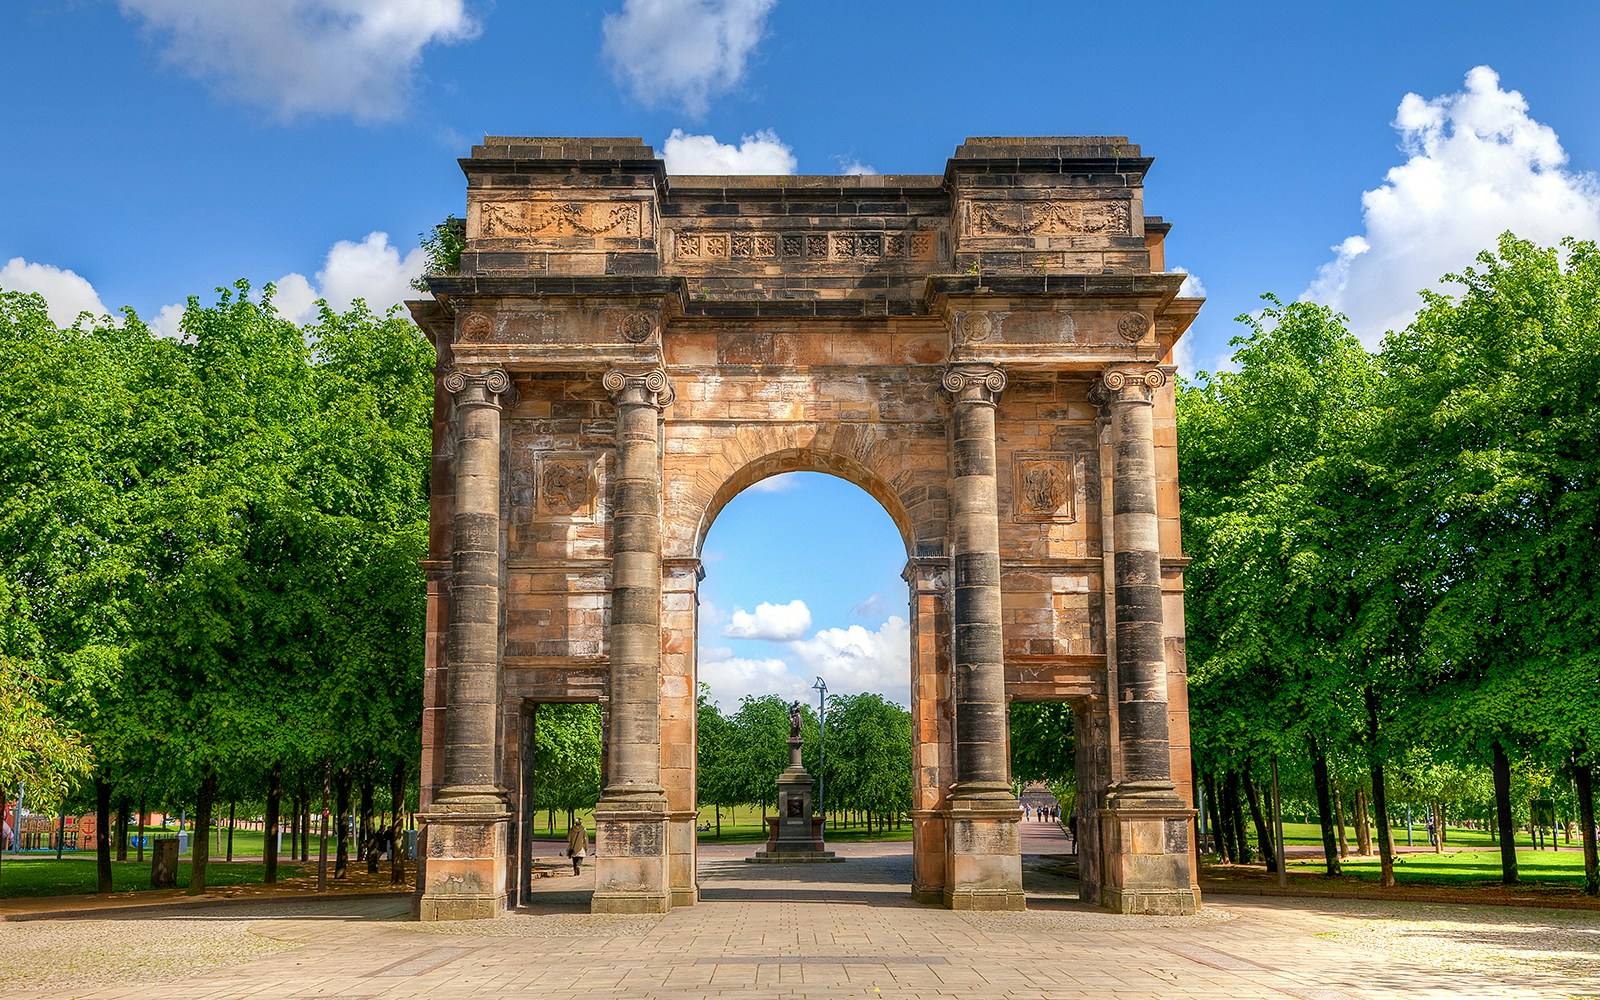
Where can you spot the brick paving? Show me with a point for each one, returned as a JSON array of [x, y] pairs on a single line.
[[821, 931]]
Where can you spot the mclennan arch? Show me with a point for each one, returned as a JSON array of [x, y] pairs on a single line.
[[986, 351]]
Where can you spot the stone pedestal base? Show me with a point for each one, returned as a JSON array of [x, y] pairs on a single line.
[[794, 834], [983, 870], [1144, 833], [682, 854], [630, 839], [464, 877], [928, 855]]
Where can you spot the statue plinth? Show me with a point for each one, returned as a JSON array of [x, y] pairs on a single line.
[[794, 835]]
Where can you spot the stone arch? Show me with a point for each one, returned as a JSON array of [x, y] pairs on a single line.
[[910, 488], [986, 350]]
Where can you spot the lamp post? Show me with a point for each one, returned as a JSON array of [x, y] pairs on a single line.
[[821, 687]]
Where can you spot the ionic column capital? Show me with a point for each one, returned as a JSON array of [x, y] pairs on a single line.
[[481, 388], [981, 384], [1128, 384], [649, 388]]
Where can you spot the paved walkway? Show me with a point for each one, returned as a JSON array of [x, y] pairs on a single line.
[[779, 931]]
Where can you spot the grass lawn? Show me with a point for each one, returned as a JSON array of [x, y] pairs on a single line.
[[1464, 869], [75, 874], [1311, 834]]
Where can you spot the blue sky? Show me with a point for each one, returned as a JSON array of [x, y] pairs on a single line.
[[1353, 152]]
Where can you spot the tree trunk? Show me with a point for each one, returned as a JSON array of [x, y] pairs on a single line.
[[124, 814], [397, 803], [322, 838], [1363, 824], [1215, 808], [341, 810], [102, 833], [1319, 771], [1233, 820], [305, 824], [1443, 822], [1338, 820], [231, 804], [364, 842], [200, 835], [1380, 801], [1263, 832], [269, 831], [1583, 777], [1501, 765], [1226, 830], [1438, 827]]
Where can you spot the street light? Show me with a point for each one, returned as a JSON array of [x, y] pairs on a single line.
[[821, 687]]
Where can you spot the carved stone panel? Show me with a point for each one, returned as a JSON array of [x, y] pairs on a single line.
[[566, 490], [1047, 218], [1043, 487], [547, 220]]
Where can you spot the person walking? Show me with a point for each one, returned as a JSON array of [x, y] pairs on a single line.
[[577, 845]]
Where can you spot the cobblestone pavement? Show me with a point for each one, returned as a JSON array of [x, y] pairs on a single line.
[[847, 930]]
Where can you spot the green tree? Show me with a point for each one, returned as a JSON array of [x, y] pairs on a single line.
[[1493, 422], [566, 769]]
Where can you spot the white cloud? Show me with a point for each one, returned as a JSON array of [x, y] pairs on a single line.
[[1191, 287], [66, 293], [1183, 352], [781, 483], [1478, 165], [296, 57], [855, 659], [761, 153], [872, 607], [167, 322], [775, 622], [853, 167], [372, 270], [683, 51], [732, 677]]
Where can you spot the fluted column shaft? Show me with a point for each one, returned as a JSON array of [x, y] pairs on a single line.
[[977, 661], [1129, 396], [473, 676], [635, 745]]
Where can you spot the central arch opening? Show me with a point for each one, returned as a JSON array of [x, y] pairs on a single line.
[[804, 601]]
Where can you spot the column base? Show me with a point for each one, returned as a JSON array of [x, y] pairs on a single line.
[[464, 877], [983, 865], [682, 853], [927, 855], [1144, 830], [631, 863]]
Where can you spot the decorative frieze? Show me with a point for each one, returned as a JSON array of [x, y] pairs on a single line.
[[832, 246]]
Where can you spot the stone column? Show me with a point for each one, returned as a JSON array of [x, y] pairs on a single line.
[[631, 817], [1145, 827], [467, 822], [985, 864]]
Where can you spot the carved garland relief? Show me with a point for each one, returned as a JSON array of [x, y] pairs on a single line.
[[551, 219], [1048, 218]]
